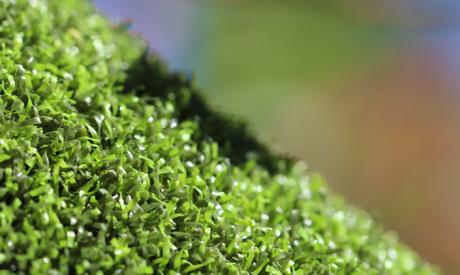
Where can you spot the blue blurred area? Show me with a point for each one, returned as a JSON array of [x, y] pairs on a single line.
[[173, 28], [447, 11]]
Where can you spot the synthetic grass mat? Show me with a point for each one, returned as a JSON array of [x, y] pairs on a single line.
[[109, 163]]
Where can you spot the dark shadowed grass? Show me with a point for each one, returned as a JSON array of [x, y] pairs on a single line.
[[150, 77]]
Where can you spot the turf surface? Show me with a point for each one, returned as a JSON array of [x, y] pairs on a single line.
[[109, 163]]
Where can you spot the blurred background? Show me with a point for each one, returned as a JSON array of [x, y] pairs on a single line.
[[367, 93]]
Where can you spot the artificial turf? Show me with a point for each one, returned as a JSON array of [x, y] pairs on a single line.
[[109, 163]]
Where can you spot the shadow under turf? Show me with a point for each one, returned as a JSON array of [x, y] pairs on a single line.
[[149, 77]]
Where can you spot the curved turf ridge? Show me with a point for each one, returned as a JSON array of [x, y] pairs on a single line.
[[110, 163]]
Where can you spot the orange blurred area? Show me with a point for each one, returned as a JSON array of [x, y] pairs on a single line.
[[388, 140]]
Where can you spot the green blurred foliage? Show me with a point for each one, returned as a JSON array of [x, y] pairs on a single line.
[[280, 48]]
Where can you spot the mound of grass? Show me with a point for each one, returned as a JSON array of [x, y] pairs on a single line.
[[110, 163]]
